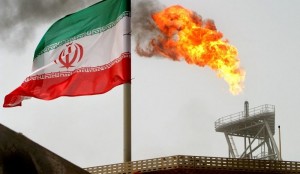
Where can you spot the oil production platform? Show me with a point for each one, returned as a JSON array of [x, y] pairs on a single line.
[[255, 128], [249, 134], [251, 148]]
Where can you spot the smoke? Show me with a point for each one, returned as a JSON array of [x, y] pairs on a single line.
[[20, 18], [143, 26]]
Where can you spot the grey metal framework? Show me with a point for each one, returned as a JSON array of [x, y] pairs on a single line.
[[198, 165], [255, 129]]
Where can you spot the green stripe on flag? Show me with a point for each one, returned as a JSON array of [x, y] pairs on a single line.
[[89, 21]]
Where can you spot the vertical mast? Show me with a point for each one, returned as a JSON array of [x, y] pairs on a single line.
[[127, 122], [127, 96]]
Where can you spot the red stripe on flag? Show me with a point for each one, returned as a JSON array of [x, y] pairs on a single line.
[[78, 84]]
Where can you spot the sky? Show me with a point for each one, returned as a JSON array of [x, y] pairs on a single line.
[[174, 104]]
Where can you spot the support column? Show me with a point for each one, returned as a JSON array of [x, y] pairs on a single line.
[[127, 123]]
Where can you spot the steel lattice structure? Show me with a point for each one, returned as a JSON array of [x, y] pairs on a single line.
[[256, 128]]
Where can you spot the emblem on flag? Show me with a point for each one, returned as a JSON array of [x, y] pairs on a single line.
[[71, 54]]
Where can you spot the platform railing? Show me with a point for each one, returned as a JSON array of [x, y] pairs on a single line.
[[241, 115], [198, 163]]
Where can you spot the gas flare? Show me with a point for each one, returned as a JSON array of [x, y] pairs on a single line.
[[182, 34]]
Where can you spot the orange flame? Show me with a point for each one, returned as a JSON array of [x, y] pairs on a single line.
[[183, 34]]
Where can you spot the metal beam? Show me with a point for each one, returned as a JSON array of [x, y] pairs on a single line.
[[253, 140], [229, 145], [272, 140]]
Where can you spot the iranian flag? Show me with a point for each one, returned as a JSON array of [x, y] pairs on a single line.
[[84, 53]]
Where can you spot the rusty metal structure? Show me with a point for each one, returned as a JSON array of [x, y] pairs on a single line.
[[254, 128], [18, 154], [181, 164]]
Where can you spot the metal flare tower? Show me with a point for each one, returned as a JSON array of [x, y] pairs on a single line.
[[254, 129]]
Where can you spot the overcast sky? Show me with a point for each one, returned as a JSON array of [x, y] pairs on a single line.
[[174, 105]]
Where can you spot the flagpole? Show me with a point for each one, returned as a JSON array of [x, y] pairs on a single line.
[[127, 122], [127, 100]]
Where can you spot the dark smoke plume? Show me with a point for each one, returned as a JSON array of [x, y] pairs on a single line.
[[20, 18], [143, 27]]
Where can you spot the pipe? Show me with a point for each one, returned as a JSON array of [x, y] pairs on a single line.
[[280, 157], [246, 109]]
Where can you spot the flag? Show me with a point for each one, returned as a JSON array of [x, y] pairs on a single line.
[[84, 53]]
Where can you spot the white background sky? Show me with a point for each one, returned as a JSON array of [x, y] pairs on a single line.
[[174, 105]]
